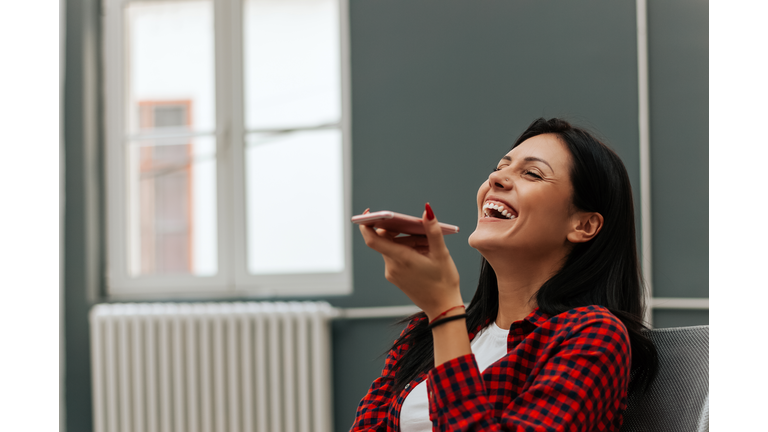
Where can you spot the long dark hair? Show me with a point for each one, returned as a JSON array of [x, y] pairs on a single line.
[[603, 271]]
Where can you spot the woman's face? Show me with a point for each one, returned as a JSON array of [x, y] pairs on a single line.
[[525, 206]]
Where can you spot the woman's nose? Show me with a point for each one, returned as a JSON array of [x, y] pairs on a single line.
[[499, 180]]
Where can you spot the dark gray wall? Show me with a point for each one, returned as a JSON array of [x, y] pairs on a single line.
[[679, 318], [679, 81], [440, 89]]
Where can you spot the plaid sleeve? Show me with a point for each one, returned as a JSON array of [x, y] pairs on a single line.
[[372, 412], [581, 387]]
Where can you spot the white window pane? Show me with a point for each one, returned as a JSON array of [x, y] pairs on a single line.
[[295, 202], [172, 207], [291, 50], [170, 58]]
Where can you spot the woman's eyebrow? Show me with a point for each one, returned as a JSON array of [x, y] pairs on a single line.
[[531, 159]]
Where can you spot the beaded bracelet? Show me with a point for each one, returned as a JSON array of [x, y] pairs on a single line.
[[436, 318], [445, 320]]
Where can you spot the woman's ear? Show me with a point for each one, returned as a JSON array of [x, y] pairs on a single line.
[[585, 227]]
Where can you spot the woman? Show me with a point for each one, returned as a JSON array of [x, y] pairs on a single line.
[[554, 328]]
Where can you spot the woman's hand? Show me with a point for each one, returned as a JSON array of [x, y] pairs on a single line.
[[420, 266]]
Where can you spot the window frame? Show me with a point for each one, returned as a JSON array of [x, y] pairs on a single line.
[[232, 278]]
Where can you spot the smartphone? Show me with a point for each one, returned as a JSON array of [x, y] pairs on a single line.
[[397, 222]]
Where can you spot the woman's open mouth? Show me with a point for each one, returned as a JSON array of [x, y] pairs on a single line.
[[498, 210]]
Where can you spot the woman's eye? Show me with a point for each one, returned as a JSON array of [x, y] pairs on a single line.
[[533, 174]]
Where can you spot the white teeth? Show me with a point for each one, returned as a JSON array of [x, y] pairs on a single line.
[[500, 208]]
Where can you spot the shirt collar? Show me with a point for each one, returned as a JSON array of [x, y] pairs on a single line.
[[537, 317]]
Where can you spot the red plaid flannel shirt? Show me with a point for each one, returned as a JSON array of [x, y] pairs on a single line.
[[568, 372]]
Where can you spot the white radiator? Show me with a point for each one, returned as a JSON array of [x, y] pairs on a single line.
[[211, 367]]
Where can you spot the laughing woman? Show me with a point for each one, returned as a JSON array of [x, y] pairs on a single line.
[[554, 329]]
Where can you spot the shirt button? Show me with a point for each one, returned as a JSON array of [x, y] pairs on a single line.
[[407, 386]]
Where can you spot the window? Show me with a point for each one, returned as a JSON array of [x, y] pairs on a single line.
[[227, 125], [165, 194]]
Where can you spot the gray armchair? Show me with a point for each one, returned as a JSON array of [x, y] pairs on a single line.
[[678, 400]]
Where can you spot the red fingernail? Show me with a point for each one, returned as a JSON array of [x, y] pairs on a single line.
[[367, 211], [430, 214]]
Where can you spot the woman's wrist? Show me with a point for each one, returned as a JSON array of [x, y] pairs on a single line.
[[450, 338], [446, 313], [445, 309], [443, 320]]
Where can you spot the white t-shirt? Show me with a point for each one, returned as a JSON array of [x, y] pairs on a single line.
[[488, 346]]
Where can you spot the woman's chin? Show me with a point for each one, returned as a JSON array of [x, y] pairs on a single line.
[[484, 241]]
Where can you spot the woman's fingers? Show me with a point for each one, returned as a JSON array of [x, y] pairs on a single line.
[[434, 232], [424, 250], [384, 233], [419, 243], [389, 244], [382, 241], [412, 240]]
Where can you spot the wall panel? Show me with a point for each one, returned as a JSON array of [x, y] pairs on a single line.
[[679, 96]]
